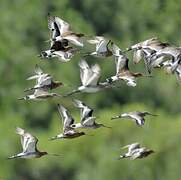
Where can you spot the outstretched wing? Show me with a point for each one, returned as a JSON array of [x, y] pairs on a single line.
[[95, 76], [102, 46], [121, 63], [74, 40], [62, 25], [85, 111], [38, 72], [85, 72], [137, 56], [178, 74], [138, 116], [134, 146], [96, 40], [53, 27], [44, 80], [27, 140], [67, 119], [115, 50], [89, 121]]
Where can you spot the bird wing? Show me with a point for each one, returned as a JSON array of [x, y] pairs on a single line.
[[62, 56], [138, 116], [79, 103], [67, 119], [74, 39], [85, 72], [44, 80], [95, 76], [89, 121], [137, 55], [131, 146], [178, 74], [134, 146], [102, 46], [115, 50], [38, 71], [168, 52], [31, 144], [33, 77], [136, 154], [53, 27], [27, 140], [144, 43], [96, 40], [62, 25], [85, 111], [121, 63]]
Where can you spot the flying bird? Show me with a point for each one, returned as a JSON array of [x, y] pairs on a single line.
[[136, 152], [136, 116], [29, 145], [102, 47], [61, 30], [123, 72], [43, 81], [63, 56], [87, 120], [67, 121], [131, 148], [145, 50], [85, 110], [90, 77], [40, 94]]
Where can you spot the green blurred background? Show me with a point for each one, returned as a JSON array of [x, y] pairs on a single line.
[[23, 34]]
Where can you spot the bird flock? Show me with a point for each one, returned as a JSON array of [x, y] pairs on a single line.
[[64, 44]]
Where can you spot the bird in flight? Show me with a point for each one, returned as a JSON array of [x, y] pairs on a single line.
[[135, 151], [67, 121], [87, 120], [90, 77], [136, 116], [29, 145]]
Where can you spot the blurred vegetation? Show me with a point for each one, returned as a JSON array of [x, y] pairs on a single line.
[[23, 35]]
